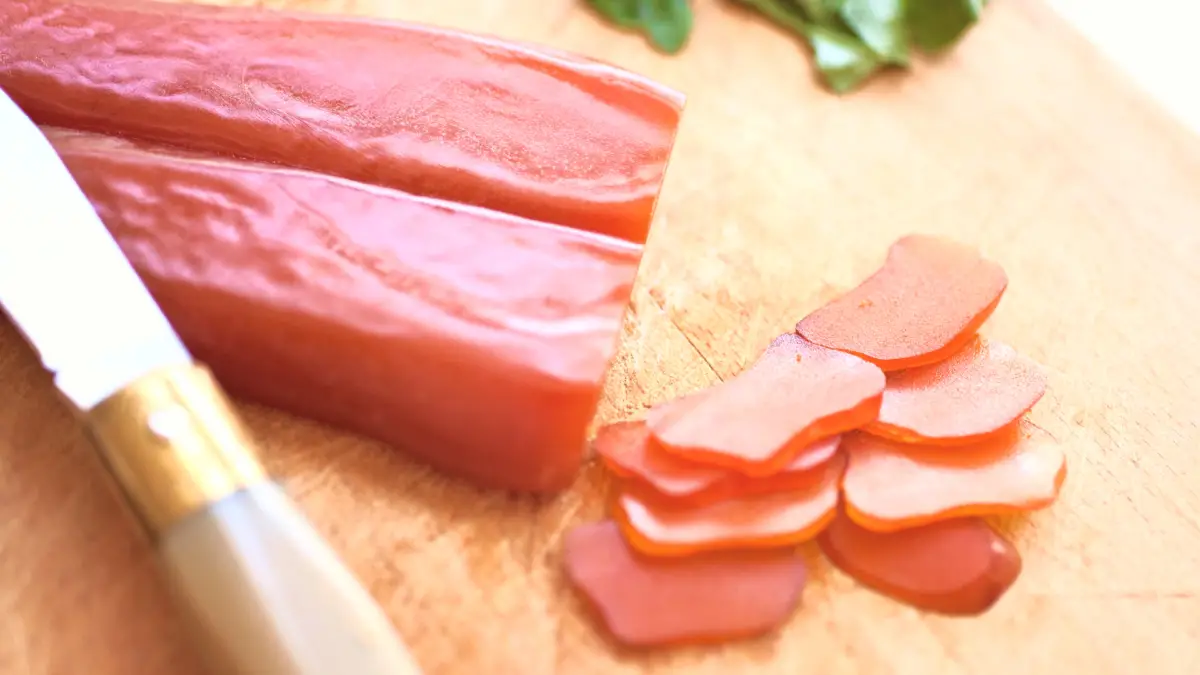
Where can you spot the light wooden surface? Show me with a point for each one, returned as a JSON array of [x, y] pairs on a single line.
[[1023, 141]]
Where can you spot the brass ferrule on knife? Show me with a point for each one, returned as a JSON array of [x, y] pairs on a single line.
[[174, 444]]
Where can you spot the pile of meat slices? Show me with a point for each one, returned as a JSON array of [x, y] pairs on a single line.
[[884, 428]]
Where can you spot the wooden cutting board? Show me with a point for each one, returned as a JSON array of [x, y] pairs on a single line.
[[1022, 141]]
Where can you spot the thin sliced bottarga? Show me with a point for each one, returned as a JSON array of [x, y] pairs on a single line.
[[973, 395], [923, 305], [629, 450], [757, 423], [958, 567], [647, 601], [891, 486], [475, 340], [658, 527], [431, 111]]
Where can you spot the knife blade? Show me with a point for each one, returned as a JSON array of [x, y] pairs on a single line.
[[263, 593], [52, 236]]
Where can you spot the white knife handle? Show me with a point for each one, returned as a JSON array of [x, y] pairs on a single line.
[[265, 595]]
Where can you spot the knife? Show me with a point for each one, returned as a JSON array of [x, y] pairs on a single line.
[[263, 593]]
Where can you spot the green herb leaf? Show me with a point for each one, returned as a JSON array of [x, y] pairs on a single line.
[[623, 13], [819, 11], [782, 13], [666, 22], [937, 24], [881, 26], [841, 58]]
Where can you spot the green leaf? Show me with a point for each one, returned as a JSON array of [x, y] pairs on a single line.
[[937, 24], [881, 26], [666, 22], [841, 58], [818, 11], [623, 13], [781, 12]]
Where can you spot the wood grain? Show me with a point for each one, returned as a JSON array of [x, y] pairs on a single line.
[[1023, 141]]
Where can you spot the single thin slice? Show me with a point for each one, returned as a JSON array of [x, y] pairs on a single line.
[[759, 422], [974, 394], [656, 527], [892, 486], [958, 566], [924, 304], [646, 602], [628, 449]]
